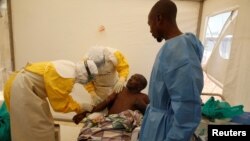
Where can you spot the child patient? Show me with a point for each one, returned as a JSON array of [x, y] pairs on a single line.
[[130, 98]]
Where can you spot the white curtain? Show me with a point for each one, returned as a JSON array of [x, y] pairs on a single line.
[[237, 83]]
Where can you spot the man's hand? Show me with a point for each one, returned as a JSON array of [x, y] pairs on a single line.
[[78, 117]]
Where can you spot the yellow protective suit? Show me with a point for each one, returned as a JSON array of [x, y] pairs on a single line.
[[26, 94], [114, 69]]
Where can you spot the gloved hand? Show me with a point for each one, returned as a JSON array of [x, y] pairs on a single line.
[[119, 85], [86, 107], [95, 98]]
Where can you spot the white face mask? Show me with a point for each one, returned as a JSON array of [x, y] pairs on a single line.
[[82, 81], [85, 78], [85, 72]]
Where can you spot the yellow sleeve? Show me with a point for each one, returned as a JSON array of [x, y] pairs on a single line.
[[122, 66], [58, 91], [7, 87], [37, 68], [89, 86]]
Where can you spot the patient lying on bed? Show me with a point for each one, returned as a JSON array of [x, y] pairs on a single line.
[[125, 113]]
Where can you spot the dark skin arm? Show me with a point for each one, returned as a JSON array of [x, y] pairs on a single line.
[[78, 117], [105, 103], [141, 104]]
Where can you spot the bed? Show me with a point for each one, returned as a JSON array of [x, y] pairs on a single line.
[[124, 126], [238, 117]]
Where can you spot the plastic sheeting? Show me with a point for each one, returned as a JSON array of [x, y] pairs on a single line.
[[236, 86], [5, 59], [233, 74]]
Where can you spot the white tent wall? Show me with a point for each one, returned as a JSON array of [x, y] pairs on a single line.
[[59, 29], [236, 77]]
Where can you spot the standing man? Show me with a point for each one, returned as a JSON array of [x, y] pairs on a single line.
[[176, 80]]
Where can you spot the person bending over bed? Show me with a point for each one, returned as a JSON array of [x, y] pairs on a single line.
[[31, 91], [130, 98]]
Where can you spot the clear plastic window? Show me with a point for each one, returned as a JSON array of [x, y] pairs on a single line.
[[213, 30], [225, 46]]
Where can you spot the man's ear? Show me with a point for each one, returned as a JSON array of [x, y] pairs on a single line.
[[159, 19]]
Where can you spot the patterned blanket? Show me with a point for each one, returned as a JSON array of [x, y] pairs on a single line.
[[115, 127]]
